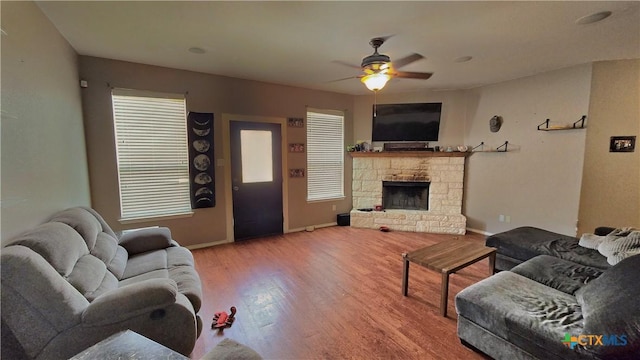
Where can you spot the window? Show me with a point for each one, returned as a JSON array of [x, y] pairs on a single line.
[[325, 155], [257, 159], [152, 150]]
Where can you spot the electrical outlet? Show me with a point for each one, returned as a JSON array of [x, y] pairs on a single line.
[[333, 207], [507, 218], [501, 218]]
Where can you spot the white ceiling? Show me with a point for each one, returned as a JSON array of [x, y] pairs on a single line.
[[297, 43]]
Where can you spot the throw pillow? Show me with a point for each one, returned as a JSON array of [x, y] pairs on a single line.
[[606, 243], [611, 306], [617, 257], [618, 248], [591, 241]]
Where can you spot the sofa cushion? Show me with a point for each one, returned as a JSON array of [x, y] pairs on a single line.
[[114, 256], [81, 221], [524, 312], [145, 262], [559, 274], [156, 274], [100, 239], [527, 242], [91, 277], [60, 245], [105, 227], [611, 306]]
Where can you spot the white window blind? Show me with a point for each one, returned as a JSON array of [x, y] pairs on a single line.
[[152, 150], [325, 155]]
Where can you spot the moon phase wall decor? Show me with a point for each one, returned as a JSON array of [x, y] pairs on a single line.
[[201, 165]]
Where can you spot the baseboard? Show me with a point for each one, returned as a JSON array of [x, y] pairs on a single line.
[[311, 227], [220, 242], [326, 225], [479, 232], [207, 244]]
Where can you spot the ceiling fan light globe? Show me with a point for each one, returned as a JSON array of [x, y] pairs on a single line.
[[375, 82]]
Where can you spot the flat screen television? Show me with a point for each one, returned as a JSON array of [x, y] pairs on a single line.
[[406, 122]]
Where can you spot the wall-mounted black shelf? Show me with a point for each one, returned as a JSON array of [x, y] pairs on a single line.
[[576, 125], [502, 148]]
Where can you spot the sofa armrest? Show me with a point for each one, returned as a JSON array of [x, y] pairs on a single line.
[[130, 301], [143, 240]]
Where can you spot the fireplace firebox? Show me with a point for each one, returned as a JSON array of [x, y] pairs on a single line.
[[406, 195]]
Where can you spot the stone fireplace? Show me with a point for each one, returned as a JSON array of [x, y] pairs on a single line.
[[420, 191]]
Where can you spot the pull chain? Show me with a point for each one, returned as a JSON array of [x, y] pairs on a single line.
[[375, 104]]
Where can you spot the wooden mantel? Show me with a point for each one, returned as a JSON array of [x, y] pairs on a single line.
[[409, 154]]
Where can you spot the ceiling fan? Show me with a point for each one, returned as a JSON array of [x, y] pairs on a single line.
[[378, 68]]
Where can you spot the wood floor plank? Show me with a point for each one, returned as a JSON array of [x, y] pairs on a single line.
[[334, 293]]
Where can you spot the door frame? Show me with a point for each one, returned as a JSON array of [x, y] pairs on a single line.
[[226, 155]]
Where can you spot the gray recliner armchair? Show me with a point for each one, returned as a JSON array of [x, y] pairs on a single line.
[[72, 282]]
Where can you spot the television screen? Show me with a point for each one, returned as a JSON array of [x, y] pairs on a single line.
[[406, 122]]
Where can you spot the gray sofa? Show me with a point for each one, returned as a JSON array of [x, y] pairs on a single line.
[[72, 282], [523, 243], [559, 305]]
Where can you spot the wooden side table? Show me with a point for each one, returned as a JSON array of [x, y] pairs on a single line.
[[447, 257]]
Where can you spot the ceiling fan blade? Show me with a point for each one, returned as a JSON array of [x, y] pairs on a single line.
[[347, 78], [413, 75], [406, 60], [347, 64], [384, 38]]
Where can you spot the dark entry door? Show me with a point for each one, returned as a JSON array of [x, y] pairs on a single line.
[[256, 179]]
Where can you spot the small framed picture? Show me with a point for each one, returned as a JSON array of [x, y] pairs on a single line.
[[296, 148], [295, 122], [622, 144], [296, 173]]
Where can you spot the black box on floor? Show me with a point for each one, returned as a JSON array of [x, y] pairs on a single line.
[[344, 219]]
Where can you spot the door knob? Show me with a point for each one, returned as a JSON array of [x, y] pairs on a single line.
[[235, 188]]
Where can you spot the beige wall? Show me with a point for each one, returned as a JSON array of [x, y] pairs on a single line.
[[611, 181], [205, 93], [538, 183], [44, 165]]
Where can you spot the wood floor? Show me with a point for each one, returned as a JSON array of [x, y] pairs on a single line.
[[334, 293]]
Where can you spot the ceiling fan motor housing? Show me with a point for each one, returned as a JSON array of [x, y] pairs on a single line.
[[376, 59]]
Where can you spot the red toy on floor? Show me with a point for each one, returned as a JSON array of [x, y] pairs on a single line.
[[223, 320]]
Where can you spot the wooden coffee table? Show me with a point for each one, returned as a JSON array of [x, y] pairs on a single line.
[[447, 257]]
